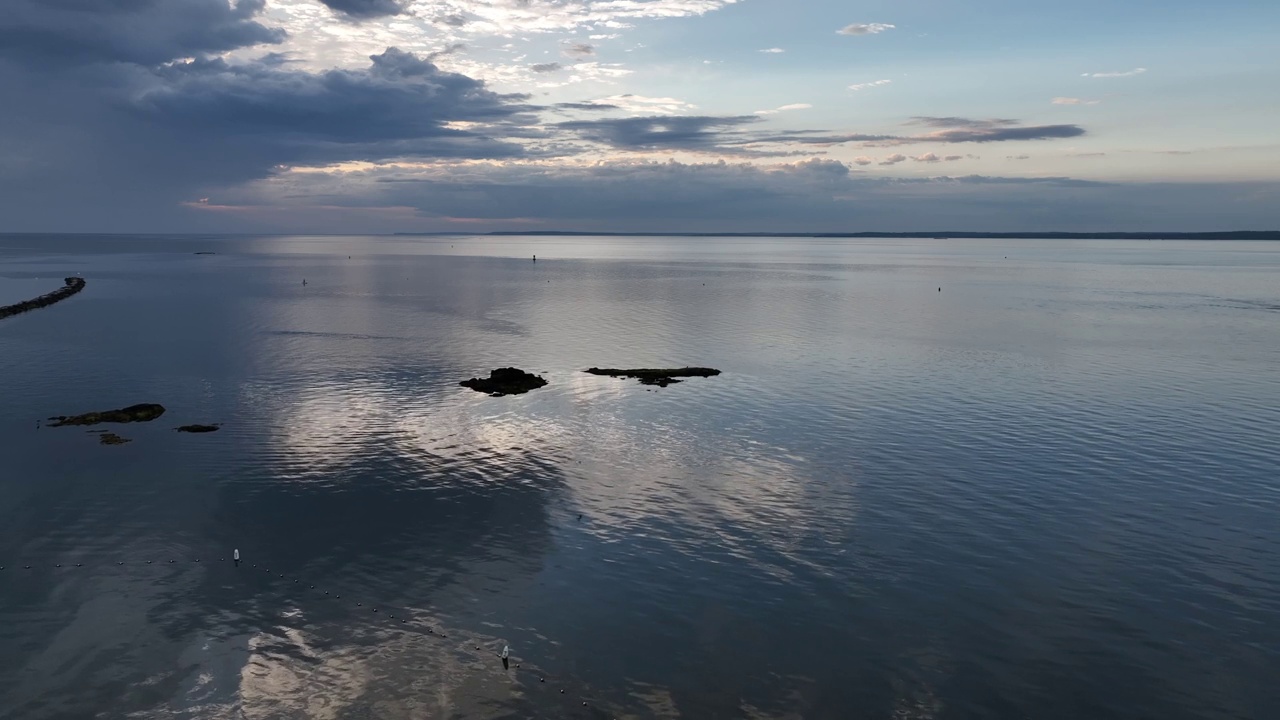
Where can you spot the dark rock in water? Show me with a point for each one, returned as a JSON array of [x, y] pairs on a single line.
[[505, 381], [199, 428], [73, 285], [206, 252], [656, 376], [112, 439], [134, 413]]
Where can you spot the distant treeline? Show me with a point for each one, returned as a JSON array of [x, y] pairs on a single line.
[[942, 235]]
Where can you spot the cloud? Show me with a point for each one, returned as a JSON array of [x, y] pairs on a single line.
[[784, 108], [364, 9], [893, 159], [957, 130], [78, 32], [773, 50], [953, 158], [812, 195], [642, 105], [1073, 101], [586, 106], [579, 50], [546, 67], [1017, 157], [454, 20], [947, 130], [866, 85], [863, 160], [663, 132], [1126, 73], [452, 49], [864, 29], [928, 158]]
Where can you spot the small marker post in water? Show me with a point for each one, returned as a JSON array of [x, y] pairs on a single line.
[[235, 556], [506, 654]]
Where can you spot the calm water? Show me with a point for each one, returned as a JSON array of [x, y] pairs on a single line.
[[1048, 491]]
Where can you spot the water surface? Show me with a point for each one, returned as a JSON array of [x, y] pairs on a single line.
[[937, 479]]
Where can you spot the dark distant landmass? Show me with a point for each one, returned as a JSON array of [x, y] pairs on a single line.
[[941, 235]]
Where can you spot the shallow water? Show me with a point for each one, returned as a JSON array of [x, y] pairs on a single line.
[[1047, 490]]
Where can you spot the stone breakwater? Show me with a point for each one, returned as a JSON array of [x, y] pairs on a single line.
[[73, 286]]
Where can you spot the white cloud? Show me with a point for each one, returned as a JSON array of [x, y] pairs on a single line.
[[928, 158], [1073, 101], [784, 108], [864, 28], [1117, 74], [865, 85], [773, 51], [641, 105], [893, 159]]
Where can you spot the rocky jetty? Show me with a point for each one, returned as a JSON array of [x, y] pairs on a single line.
[[73, 286], [661, 377], [505, 381], [145, 412], [198, 428]]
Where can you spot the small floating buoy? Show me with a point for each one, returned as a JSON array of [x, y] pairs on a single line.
[[235, 555], [506, 652]]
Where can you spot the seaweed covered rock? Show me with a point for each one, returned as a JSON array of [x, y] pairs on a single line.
[[198, 428], [505, 381], [112, 439], [144, 412], [661, 377]]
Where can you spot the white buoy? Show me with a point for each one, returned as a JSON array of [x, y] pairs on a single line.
[[506, 651], [235, 554]]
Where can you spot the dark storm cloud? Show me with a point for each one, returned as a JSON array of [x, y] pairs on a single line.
[[147, 32], [363, 9], [682, 132], [399, 97], [546, 67]]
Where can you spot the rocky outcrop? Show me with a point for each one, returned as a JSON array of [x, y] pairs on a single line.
[[145, 412], [73, 286], [198, 428], [505, 381], [112, 439], [656, 376]]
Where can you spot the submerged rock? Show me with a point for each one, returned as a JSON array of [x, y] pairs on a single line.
[[145, 412], [505, 381], [198, 428], [72, 286], [112, 439], [661, 377]]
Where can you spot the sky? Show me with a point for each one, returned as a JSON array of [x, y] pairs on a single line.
[[373, 116]]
